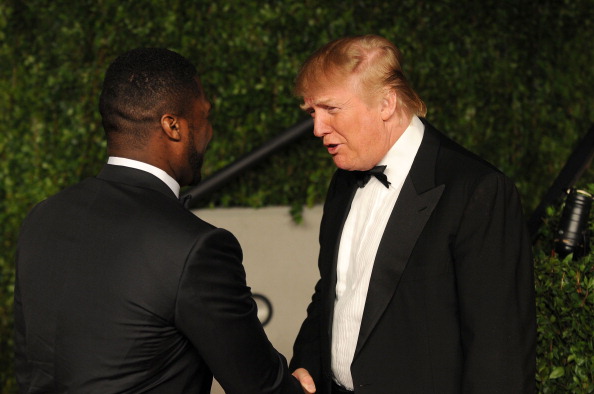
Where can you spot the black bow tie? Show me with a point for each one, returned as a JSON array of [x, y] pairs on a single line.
[[377, 171]]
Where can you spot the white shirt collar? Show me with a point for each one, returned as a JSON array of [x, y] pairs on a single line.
[[156, 171], [401, 155]]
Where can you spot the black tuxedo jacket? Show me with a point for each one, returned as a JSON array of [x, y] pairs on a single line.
[[450, 306], [120, 289]]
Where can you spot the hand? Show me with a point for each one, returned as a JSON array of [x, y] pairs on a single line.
[[306, 380]]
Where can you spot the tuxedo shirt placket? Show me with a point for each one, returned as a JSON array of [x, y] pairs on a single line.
[[362, 232], [365, 227]]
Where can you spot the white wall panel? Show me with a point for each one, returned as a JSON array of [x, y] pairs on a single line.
[[280, 259]]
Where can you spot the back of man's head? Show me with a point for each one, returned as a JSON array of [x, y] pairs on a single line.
[[139, 87]]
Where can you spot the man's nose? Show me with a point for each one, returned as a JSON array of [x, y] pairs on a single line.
[[321, 128]]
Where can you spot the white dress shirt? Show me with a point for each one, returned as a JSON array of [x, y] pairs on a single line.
[[361, 235], [156, 171]]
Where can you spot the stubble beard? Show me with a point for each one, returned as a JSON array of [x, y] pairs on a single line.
[[195, 160]]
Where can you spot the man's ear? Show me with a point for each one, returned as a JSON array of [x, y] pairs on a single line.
[[171, 126], [389, 104]]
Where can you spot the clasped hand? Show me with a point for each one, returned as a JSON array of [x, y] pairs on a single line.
[[305, 379]]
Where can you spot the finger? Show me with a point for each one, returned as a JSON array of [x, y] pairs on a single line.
[[305, 379]]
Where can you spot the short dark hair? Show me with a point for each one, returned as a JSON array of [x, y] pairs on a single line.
[[143, 84]]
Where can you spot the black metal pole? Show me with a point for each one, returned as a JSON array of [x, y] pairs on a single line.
[[574, 167], [224, 175]]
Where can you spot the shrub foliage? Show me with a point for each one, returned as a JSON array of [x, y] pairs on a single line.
[[565, 308], [511, 81]]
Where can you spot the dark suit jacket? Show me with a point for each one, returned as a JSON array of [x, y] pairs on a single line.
[[450, 306], [120, 289]]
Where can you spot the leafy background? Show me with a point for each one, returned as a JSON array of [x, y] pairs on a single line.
[[510, 80]]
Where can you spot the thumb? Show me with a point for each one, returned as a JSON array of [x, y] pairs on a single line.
[[305, 379]]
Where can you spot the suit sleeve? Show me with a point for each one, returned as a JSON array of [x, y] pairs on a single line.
[[216, 312], [494, 273], [307, 350]]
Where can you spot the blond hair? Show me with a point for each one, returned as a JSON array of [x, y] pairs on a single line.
[[373, 59]]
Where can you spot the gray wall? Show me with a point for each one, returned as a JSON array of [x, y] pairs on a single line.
[[280, 259]]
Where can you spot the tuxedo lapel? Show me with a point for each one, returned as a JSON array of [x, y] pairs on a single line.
[[404, 227], [417, 200], [338, 205]]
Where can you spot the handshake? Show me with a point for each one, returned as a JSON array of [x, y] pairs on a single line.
[[307, 383]]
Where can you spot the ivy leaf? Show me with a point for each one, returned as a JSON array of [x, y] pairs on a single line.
[[557, 373]]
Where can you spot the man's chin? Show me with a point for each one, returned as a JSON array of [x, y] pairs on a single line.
[[342, 164], [337, 162]]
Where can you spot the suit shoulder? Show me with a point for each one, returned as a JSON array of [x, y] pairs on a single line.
[[464, 173], [455, 160], [60, 200]]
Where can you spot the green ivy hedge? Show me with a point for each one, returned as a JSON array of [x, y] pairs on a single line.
[[565, 305], [565, 312], [512, 81]]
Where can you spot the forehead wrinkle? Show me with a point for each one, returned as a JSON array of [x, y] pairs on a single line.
[[323, 101]]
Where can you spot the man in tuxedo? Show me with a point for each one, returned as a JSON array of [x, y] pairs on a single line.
[[426, 277], [119, 288]]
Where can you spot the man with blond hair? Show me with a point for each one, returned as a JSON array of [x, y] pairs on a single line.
[[426, 278]]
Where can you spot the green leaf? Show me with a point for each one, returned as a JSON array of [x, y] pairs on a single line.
[[557, 373]]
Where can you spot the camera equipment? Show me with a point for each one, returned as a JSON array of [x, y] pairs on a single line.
[[573, 235]]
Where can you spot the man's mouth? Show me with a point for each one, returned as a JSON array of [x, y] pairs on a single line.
[[332, 148]]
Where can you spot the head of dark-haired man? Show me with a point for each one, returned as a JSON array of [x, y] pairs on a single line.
[[154, 110]]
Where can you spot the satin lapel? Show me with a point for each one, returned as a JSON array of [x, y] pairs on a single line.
[[336, 210], [417, 200], [404, 227]]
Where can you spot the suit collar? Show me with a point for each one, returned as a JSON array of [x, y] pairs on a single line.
[[135, 177], [422, 172], [140, 165]]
